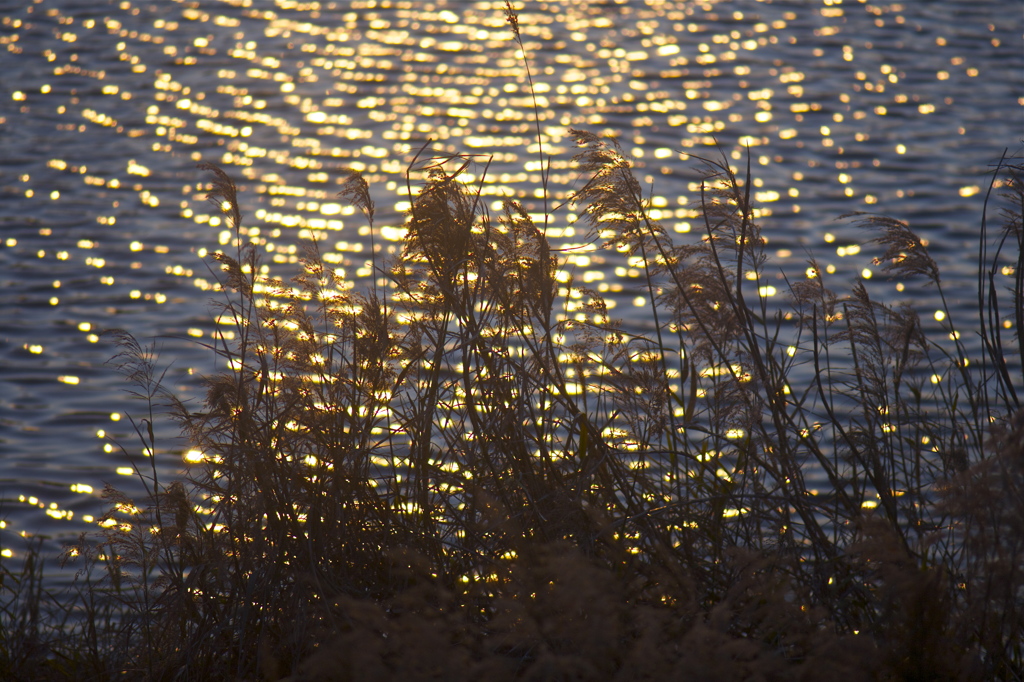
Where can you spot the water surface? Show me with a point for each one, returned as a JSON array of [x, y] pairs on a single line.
[[107, 107]]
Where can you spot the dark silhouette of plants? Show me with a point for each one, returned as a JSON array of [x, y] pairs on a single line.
[[370, 458]]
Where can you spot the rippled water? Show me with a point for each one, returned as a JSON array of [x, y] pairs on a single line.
[[106, 107]]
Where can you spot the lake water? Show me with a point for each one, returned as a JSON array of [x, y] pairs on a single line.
[[106, 107]]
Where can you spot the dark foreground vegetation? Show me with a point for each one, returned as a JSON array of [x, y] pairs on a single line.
[[470, 471]]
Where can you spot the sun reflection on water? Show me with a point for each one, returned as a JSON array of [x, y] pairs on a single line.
[[284, 95]]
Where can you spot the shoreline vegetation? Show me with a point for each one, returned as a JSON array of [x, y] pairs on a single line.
[[470, 471]]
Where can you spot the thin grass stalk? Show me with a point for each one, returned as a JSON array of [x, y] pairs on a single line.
[[512, 17]]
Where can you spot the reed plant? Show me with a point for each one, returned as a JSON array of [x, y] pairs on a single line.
[[469, 470]]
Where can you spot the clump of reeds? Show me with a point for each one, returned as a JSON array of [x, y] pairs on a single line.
[[455, 469], [474, 471]]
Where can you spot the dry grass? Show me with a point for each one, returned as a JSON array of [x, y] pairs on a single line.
[[474, 472]]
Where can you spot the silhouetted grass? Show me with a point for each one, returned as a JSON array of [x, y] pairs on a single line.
[[474, 472]]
